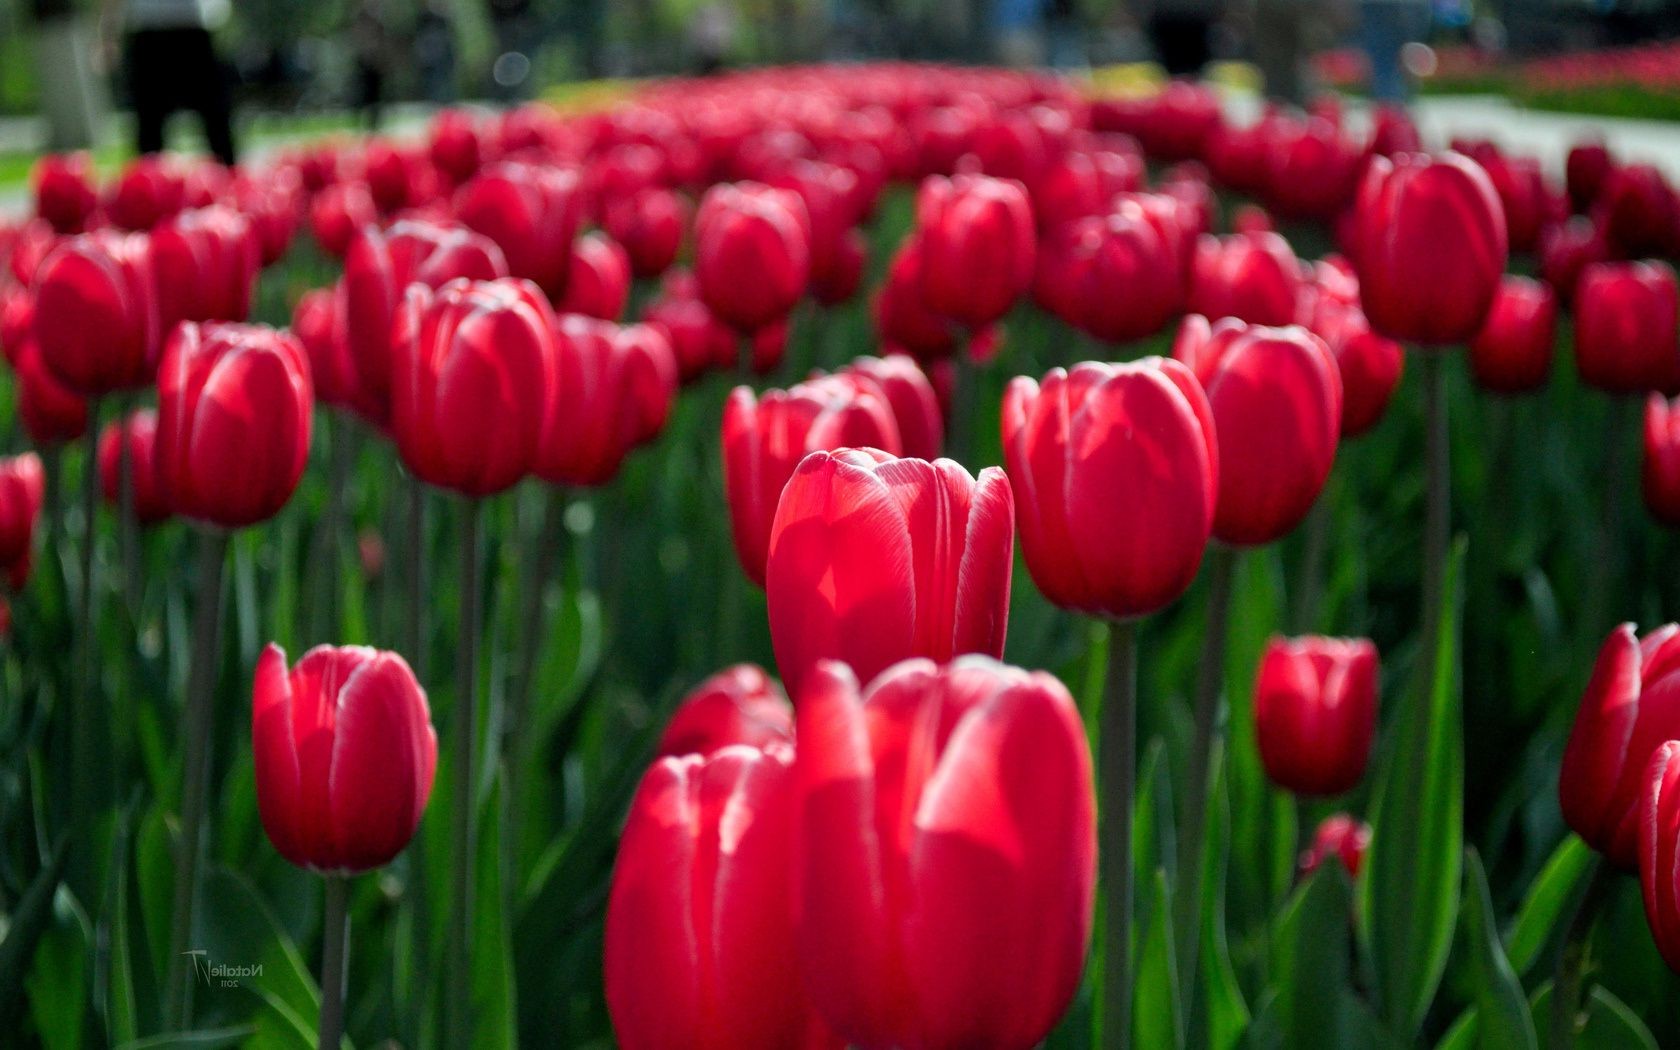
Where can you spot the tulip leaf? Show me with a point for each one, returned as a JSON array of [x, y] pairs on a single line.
[[492, 952], [1219, 1015], [59, 977], [1157, 1014], [121, 1015], [1311, 964], [27, 923], [154, 866], [1540, 919], [1503, 1022], [1409, 897], [1152, 826], [236, 928], [1612, 1025]]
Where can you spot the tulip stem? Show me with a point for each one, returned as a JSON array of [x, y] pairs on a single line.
[[335, 954], [416, 524], [127, 529], [1572, 955], [1210, 683], [84, 718], [195, 769], [1438, 508], [52, 462], [1619, 438], [1117, 754], [1311, 583], [330, 547], [459, 955]]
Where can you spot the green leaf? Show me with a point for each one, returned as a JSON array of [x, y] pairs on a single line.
[[236, 927], [1409, 896], [1545, 908], [1612, 1025], [58, 982], [27, 924], [1157, 1015], [492, 950], [1219, 1015], [1503, 1020], [1311, 963]]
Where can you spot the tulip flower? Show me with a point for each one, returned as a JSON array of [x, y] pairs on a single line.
[[1254, 277], [22, 490], [1659, 849], [1341, 836], [1315, 708], [64, 191], [318, 322], [700, 341], [1111, 276], [650, 226], [1369, 364], [51, 413], [902, 318], [598, 283], [456, 148], [738, 705], [699, 938], [96, 320], [1586, 169], [914, 402], [532, 212], [338, 213], [1637, 209], [205, 263], [613, 390], [945, 853], [752, 253], [765, 438], [1311, 171], [1430, 247], [395, 177], [1513, 351], [344, 757], [978, 244], [1082, 183], [1660, 476], [1568, 248], [149, 190], [875, 559], [1626, 317], [139, 432], [1632, 705]]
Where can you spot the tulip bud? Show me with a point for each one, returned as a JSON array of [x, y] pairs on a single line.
[[613, 390], [51, 413], [875, 559], [1659, 849], [1315, 710], [979, 244], [96, 317], [234, 410], [344, 753], [739, 705], [650, 225], [149, 190], [473, 376], [1112, 276], [22, 490], [455, 148], [338, 213], [532, 212], [1255, 278], [64, 193], [1117, 468], [1586, 169], [205, 263], [318, 323], [1341, 836], [1430, 247], [945, 853], [1513, 351], [1568, 248], [700, 341], [752, 253], [1310, 170], [1276, 400], [1632, 704], [1637, 210], [1660, 475], [1626, 319], [598, 283], [139, 431]]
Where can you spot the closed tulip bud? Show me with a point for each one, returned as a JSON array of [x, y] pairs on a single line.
[[148, 191], [532, 212], [1311, 169], [875, 559], [338, 213], [473, 373], [902, 317], [1341, 836], [1632, 705], [1111, 276], [752, 253], [51, 412], [22, 490], [1566, 250], [205, 263], [1585, 171], [700, 341], [318, 322], [344, 754], [139, 432], [1254, 277], [1429, 246], [764, 439], [650, 225], [613, 390], [455, 148], [915, 403], [1513, 351], [1626, 317], [1315, 710], [739, 705], [1082, 183], [1660, 476], [598, 284], [395, 177], [1637, 210], [979, 245], [96, 319], [64, 193], [1369, 364], [1116, 467], [945, 858], [1659, 849], [1276, 399], [234, 408], [699, 948]]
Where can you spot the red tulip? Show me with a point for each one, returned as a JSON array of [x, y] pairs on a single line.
[[1567, 249], [1659, 849], [139, 431], [64, 192], [272, 206], [945, 857], [51, 412], [1632, 705], [1315, 710], [1251, 219], [1116, 468], [455, 147], [598, 284], [1111, 276], [205, 262], [1638, 211], [1626, 317], [1255, 278], [752, 253], [613, 390], [699, 931], [764, 439], [1341, 836], [1082, 183], [532, 212], [473, 373], [1311, 170], [1513, 351], [149, 190], [1430, 247], [700, 341], [1660, 476], [22, 490], [875, 559], [650, 225], [1276, 399], [338, 213], [902, 318], [96, 319], [395, 177], [1369, 364], [1586, 169], [979, 245], [344, 753], [837, 281], [914, 402], [318, 322], [739, 705], [234, 408]]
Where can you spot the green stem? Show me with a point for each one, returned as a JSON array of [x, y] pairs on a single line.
[[127, 527], [195, 769], [415, 598], [539, 559], [330, 547], [1210, 683], [1611, 561], [85, 721], [335, 954], [1438, 510], [1117, 758], [1572, 955], [459, 954], [1311, 584]]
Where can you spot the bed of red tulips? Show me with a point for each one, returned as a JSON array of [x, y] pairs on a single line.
[[895, 556]]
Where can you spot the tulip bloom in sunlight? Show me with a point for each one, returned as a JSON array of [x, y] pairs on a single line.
[[532, 212], [598, 284], [738, 705], [1659, 849], [945, 859], [874, 559], [1315, 712], [613, 391], [1253, 277]]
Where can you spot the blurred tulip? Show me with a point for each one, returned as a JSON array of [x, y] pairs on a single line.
[[1513, 351], [650, 226], [1627, 323], [1660, 476], [1567, 249], [64, 191], [22, 489], [1311, 170], [1659, 849], [752, 253], [338, 213], [738, 705], [1255, 278], [613, 390], [598, 284], [344, 756], [1276, 401], [914, 402], [531, 211], [1341, 836], [96, 320], [148, 191], [455, 147], [979, 245], [318, 322], [1110, 276], [139, 430], [51, 412], [1116, 469], [1638, 211], [234, 408], [700, 341], [1369, 364], [902, 318], [841, 271], [945, 857], [1586, 169], [1430, 247], [875, 559], [1631, 705], [1315, 710], [204, 263]]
